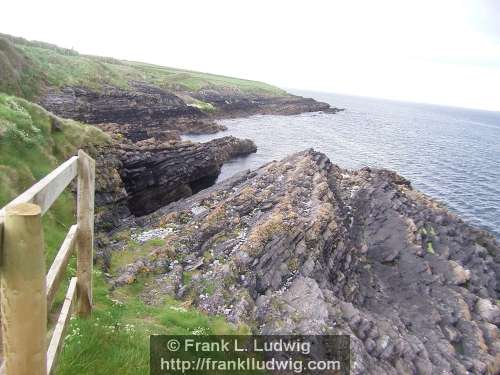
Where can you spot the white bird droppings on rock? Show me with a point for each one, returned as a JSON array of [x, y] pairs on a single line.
[[152, 234]]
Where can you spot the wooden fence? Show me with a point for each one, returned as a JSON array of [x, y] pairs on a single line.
[[27, 292]]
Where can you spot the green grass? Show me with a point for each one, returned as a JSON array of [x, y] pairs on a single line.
[[194, 81], [116, 337], [430, 248], [132, 251], [30, 148], [27, 68]]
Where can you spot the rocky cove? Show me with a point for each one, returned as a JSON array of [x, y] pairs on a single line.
[[148, 165], [296, 246], [149, 111]]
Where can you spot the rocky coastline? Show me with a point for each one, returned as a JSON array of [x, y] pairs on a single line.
[[301, 246], [297, 246], [146, 111], [148, 165]]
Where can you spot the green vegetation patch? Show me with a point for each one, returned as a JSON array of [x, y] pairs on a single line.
[[132, 251], [33, 142], [28, 68], [116, 338]]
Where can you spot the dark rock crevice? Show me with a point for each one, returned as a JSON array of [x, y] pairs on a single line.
[[203, 183], [159, 173]]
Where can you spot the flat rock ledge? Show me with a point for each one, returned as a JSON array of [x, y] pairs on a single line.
[[302, 246]]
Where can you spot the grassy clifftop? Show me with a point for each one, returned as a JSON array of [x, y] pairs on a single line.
[[32, 143], [27, 68]]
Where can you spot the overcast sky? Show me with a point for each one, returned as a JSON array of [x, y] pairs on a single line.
[[434, 51]]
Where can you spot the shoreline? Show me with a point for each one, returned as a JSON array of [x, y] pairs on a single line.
[[418, 150]]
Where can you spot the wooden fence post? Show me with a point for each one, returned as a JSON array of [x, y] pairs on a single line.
[[24, 300], [85, 235]]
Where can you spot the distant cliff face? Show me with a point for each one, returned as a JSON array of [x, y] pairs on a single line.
[[147, 108], [302, 246], [230, 103], [98, 90], [152, 110]]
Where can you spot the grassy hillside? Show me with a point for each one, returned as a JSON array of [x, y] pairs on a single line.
[[27, 68], [32, 143]]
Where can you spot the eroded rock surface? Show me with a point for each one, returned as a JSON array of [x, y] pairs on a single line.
[[150, 109], [156, 173], [144, 110], [302, 246], [233, 103], [111, 198]]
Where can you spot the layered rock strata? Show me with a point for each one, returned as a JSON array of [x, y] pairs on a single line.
[[146, 111], [111, 198], [149, 107], [302, 246], [232, 103], [155, 174]]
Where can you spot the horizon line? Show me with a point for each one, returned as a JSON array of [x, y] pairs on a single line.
[[455, 106]]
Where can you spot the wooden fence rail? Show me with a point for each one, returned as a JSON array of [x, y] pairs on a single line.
[[27, 292]]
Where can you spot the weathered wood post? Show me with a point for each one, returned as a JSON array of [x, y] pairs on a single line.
[[24, 301], [85, 235]]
